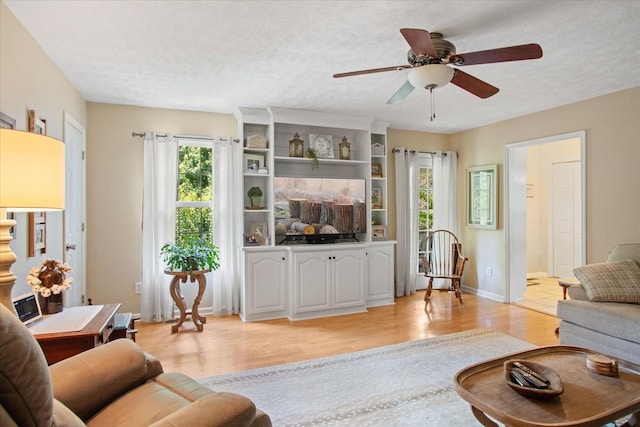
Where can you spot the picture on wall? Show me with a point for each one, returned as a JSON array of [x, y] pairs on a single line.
[[482, 197]]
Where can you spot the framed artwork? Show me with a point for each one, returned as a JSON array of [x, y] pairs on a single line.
[[12, 230], [253, 163], [376, 170], [376, 198], [379, 232], [482, 197], [7, 122], [250, 240], [322, 145], [37, 124], [259, 231], [530, 191], [37, 233]]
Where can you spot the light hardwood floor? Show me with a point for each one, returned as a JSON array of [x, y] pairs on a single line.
[[228, 345]]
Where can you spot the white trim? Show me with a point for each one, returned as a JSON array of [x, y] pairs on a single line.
[[510, 240]]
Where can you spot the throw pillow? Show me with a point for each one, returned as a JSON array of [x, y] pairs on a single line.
[[617, 281]]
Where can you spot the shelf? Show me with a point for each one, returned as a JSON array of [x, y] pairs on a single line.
[[257, 210], [264, 175], [304, 160]]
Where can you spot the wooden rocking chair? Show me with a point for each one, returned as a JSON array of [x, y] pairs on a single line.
[[443, 260]]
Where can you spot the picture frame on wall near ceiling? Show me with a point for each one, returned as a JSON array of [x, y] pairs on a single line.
[[37, 233], [37, 124], [482, 197], [7, 122]]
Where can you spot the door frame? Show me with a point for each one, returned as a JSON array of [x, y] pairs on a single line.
[[515, 204], [70, 121]]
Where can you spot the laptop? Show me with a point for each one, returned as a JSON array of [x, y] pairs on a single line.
[[28, 308]]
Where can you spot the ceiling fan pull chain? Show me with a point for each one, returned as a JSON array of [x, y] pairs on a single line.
[[433, 104]]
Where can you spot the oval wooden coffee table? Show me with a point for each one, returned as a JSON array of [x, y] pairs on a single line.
[[588, 400]]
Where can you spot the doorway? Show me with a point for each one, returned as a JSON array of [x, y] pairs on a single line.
[[74, 213], [528, 181]]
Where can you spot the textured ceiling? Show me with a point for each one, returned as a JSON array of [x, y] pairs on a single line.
[[218, 55]]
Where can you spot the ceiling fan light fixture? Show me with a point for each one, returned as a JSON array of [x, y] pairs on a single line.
[[430, 76]]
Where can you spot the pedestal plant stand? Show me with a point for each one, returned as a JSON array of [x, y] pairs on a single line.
[[190, 259], [176, 295]]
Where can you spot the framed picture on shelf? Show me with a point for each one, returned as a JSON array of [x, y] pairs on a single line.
[[322, 145], [260, 231], [376, 198], [250, 240], [379, 232], [36, 124], [253, 163], [376, 170], [482, 197]]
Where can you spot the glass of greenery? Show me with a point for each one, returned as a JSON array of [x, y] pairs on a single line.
[[192, 254]]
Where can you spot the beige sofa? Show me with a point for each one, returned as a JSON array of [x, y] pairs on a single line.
[[116, 384], [604, 310]]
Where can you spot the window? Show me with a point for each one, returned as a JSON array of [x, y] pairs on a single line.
[[194, 210], [425, 202]]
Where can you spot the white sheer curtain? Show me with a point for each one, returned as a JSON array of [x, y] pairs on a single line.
[[406, 162], [158, 224], [445, 197], [227, 225]]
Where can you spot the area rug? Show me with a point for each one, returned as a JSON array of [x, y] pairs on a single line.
[[408, 384]]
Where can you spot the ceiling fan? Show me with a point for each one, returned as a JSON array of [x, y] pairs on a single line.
[[430, 58]]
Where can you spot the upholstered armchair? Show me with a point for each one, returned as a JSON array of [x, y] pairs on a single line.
[[115, 384]]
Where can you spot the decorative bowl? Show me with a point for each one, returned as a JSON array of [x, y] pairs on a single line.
[[555, 384]]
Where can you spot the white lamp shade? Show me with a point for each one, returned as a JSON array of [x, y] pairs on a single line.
[[434, 75], [32, 174]]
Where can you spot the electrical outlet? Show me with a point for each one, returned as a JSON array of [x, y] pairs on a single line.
[[138, 288], [489, 271]]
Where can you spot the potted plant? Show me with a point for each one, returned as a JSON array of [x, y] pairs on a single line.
[[194, 254], [255, 196], [311, 154]]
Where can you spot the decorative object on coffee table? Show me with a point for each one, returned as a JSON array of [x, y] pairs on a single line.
[[49, 281], [537, 380]]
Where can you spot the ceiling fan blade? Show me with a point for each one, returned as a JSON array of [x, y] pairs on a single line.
[[473, 84], [371, 71], [504, 54], [401, 93], [420, 41]]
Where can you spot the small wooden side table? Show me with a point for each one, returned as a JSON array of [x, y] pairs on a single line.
[[176, 294], [566, 282], [58, 346]]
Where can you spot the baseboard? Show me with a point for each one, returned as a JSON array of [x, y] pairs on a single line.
[[483, 294]]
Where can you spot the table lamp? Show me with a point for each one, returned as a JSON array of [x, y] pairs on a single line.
[[32, 179]]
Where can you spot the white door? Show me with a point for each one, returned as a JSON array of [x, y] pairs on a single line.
[[74, 214], [565, 211]]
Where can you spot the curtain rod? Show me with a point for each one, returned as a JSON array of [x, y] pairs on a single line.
[[396, 150], [207, 138]]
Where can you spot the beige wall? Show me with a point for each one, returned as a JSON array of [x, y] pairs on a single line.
[[114, 191], [612, 154], [30, 80]]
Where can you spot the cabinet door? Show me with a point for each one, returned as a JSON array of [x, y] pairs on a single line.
[[266, 282], [380, 267], [312, 276], [349, 269]]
